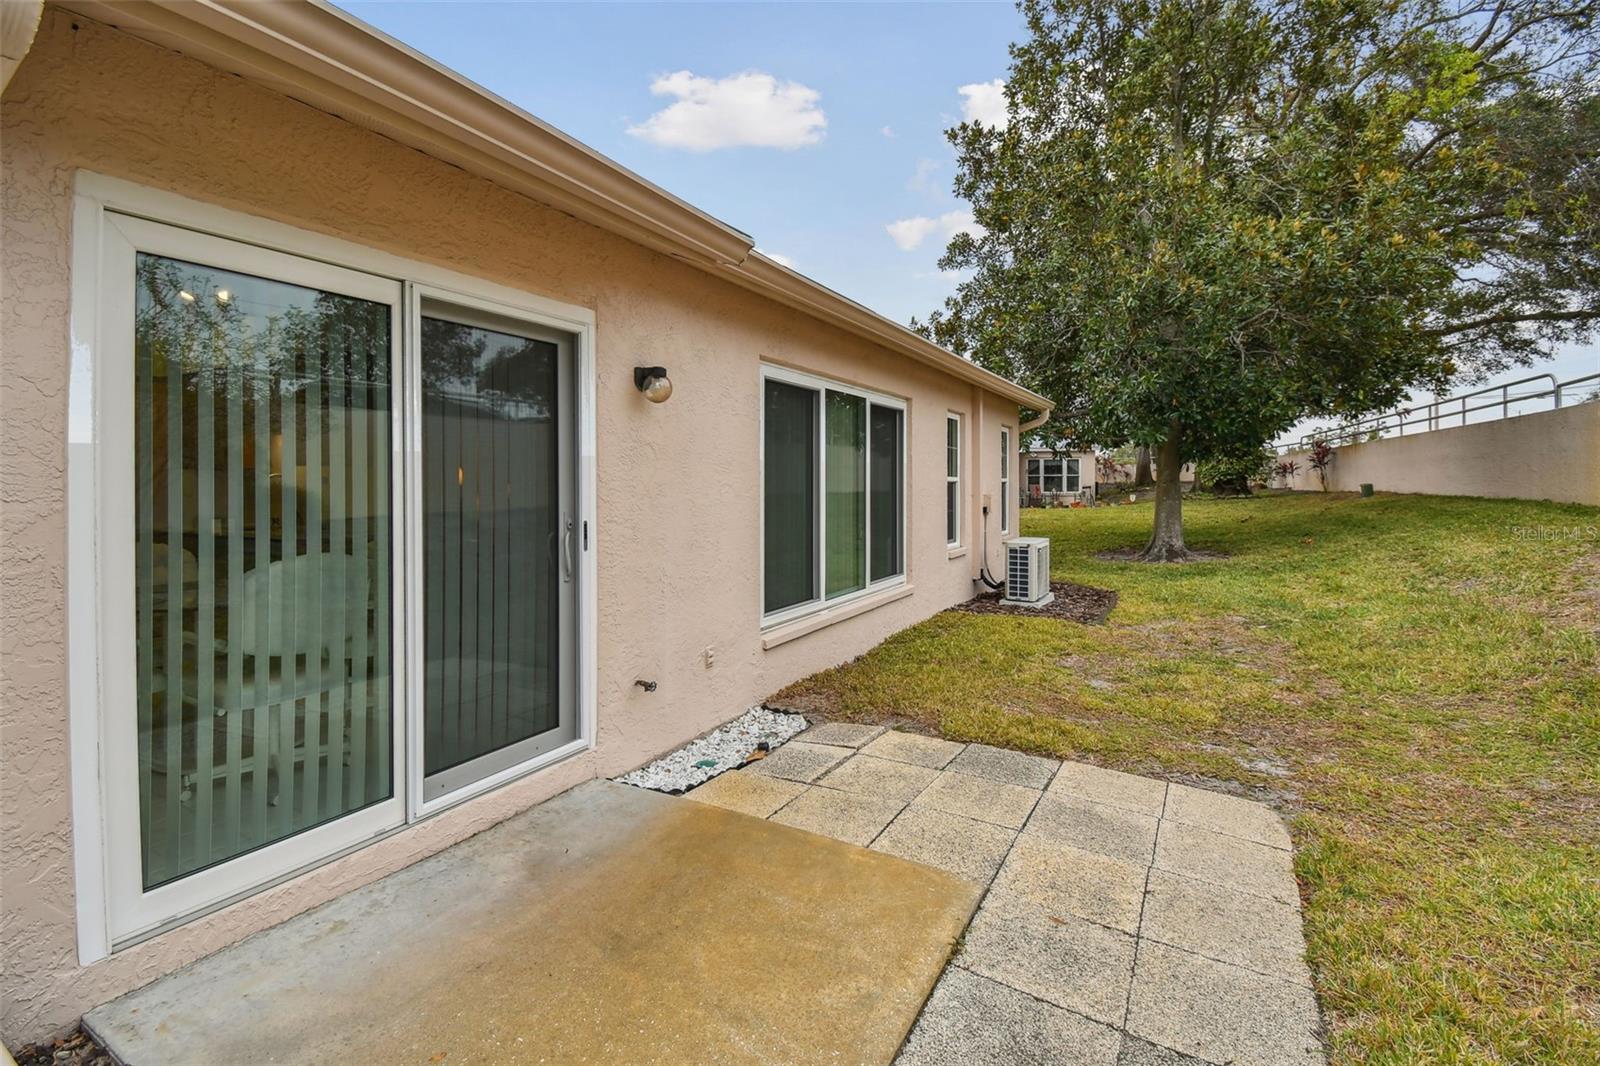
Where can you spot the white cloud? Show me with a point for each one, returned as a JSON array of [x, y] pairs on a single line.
[[749, 109], [985, 102], [909, 233], [781, 260], [922, 180], [888, 131]]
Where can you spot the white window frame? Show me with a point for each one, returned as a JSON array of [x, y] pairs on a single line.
[[821, 602], [1005, 479], [954, 418], [112, 218], [1068, 462]]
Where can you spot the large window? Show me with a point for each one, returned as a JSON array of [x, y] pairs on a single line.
[[952, 480], [1005, 481], [833, 492], [1054, 475]]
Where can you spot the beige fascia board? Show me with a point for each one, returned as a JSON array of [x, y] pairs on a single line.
[[332, 61], [335, 63], [796, 290]]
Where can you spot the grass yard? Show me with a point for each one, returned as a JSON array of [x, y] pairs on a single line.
[[1415, 680]]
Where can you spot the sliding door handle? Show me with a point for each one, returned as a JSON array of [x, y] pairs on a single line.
[[569, 546]]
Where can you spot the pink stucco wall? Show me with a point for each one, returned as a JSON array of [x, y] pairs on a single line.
[[678, 507]]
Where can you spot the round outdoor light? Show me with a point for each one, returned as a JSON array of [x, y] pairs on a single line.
[[652, 381]]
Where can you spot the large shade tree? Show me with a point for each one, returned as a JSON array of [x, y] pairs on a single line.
[[1208, 219]]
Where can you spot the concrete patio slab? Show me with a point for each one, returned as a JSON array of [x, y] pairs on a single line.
[[1221, 1013], [1063, 960], [749, 794], [1061, 880], [840, 815], [1136, 1052], [1096, 827], [1251, 931], [913, 748], [973, 1021], [868, 775], [979, 799], [1227, 861], [969, 849], [841, 734], [1113, 787], [799, 761], [1222, 813], [1006, 767], [610, 924]]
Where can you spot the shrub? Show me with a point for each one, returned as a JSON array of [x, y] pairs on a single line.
[[1321, 458], [1233, 476]]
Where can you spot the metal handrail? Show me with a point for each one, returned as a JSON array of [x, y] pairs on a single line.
[[1373, 427]]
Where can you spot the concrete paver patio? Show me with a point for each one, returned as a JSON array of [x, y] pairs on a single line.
[[1126, 920], [1109, 920]]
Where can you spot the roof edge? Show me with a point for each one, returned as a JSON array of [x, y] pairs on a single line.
[[331, 60]]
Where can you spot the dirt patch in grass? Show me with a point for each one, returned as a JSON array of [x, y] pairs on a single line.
[[1581, 605], [1132, 555], [1073, 602]]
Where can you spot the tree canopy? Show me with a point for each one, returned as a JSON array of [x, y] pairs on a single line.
[[1208, 219]]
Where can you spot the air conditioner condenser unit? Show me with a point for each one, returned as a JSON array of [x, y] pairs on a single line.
[[1028, 572]]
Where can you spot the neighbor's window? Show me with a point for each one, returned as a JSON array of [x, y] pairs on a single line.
[[1054, 475], [952, 480], [833, 491], [1005, 481]]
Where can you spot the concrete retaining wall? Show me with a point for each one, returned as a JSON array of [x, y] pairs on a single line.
[[1550, 455]]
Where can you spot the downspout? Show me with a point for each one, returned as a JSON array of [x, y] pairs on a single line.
[[19, 21], [978, 535]]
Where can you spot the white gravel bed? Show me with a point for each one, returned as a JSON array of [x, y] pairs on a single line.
[[720, 750]]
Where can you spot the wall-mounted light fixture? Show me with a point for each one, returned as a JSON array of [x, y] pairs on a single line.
[[652, 381]]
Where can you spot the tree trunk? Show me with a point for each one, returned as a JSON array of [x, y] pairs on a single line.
[[1141, 468], [1166, 540]]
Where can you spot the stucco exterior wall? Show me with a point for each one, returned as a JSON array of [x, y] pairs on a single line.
[[678, 502], [1548, 455]]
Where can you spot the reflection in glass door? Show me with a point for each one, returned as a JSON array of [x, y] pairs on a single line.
[[499, 545], [262, 561]]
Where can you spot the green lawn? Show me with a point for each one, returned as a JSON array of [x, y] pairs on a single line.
[[1414, 680]]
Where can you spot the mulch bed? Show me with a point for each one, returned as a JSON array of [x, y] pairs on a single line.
[[1131, 555], [74, 1049], [1073, 603]]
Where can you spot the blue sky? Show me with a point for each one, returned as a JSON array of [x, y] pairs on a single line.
[[816, 128]]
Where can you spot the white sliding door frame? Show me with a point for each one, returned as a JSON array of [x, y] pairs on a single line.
[[134, 911], [565, 332], [112, 219]]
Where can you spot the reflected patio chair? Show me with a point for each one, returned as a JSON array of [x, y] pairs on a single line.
[[314, 608]]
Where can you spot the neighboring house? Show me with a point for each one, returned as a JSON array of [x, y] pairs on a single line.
[[1057, 478], [1122, 475], [339, 523]]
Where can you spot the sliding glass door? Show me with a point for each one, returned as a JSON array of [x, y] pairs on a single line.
[[261, 560], [500, 545], [336, 554]]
